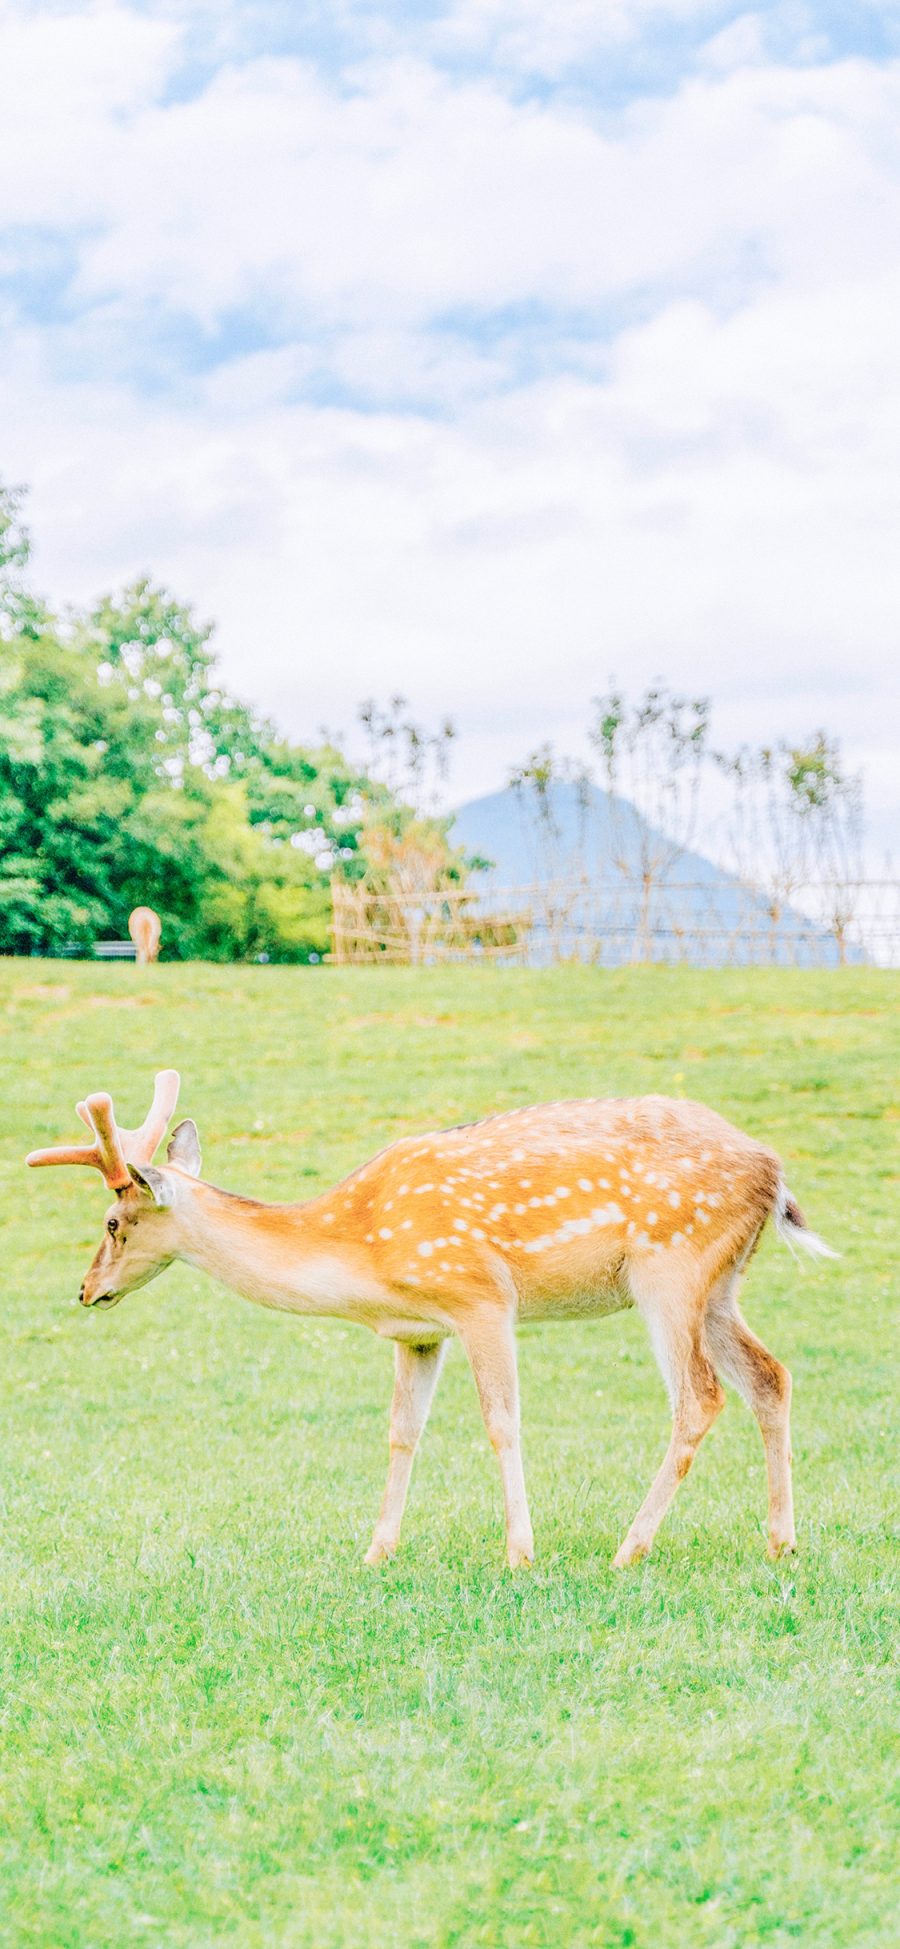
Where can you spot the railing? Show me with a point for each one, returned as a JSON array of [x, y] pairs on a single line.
[[96, 951], [115, 951], [613, 923]]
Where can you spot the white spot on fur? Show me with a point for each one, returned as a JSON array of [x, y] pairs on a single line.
[[425, 1250], [608, 1215], [385, 1232]]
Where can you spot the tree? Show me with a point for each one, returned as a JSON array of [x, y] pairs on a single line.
[[103, 808], [408, 759], [561, 869], [411, 878], [795, 827], [538, 783], [652, 755], [20, 612], [128, 775]]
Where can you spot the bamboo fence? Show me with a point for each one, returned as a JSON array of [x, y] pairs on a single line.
[[617, 922]]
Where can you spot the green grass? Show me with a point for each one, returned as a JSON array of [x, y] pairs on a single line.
[[217, 1726]]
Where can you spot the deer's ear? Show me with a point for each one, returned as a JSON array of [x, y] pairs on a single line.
[[156, 1184], [184, 1147]]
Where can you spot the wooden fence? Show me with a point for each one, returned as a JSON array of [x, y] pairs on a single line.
[[452, 925], [615, 923]]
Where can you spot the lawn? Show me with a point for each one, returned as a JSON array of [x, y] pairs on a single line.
[[217, 1726]]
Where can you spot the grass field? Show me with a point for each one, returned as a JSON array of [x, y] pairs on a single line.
[[217, 1726]]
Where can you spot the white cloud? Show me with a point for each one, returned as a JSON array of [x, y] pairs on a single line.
[[67, 76], [671, 448], [410, 194], [536, 37], [502, 566]]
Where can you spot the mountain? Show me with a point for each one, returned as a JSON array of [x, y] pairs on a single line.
[[582, 862]]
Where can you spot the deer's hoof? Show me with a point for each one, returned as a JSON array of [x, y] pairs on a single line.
[[780, 1546], [379, 1552], [520, 1556], [630, 1552]]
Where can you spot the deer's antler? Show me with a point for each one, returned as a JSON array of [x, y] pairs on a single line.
[[112, 1147], [140, 1144]]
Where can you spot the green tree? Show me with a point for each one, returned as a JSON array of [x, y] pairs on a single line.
[[20, 612], [128, 776]]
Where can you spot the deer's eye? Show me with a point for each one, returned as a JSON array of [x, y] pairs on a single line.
[[112, 1226]]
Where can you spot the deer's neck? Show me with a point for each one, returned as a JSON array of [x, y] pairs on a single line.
[[285, 1256]]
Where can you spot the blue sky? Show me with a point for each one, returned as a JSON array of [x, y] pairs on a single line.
[[472, 350]]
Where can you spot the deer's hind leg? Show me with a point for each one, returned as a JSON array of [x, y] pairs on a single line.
[[673, 1310], [766, 1387], [416, 1371]]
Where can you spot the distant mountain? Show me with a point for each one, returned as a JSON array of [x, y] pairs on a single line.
[[697, 912]]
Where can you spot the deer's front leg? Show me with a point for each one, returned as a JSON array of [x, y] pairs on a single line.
[[490, 1343], [416, 1371]]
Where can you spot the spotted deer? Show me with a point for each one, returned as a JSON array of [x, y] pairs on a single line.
[[564, 1211], [145, 928]]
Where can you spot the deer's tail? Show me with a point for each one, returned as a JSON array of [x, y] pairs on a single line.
[[791, 1225]]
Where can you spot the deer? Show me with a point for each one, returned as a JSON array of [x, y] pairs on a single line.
[[145, 928], [570, 1210]]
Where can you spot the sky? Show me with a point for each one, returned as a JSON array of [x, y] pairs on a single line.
[[474, 350]]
